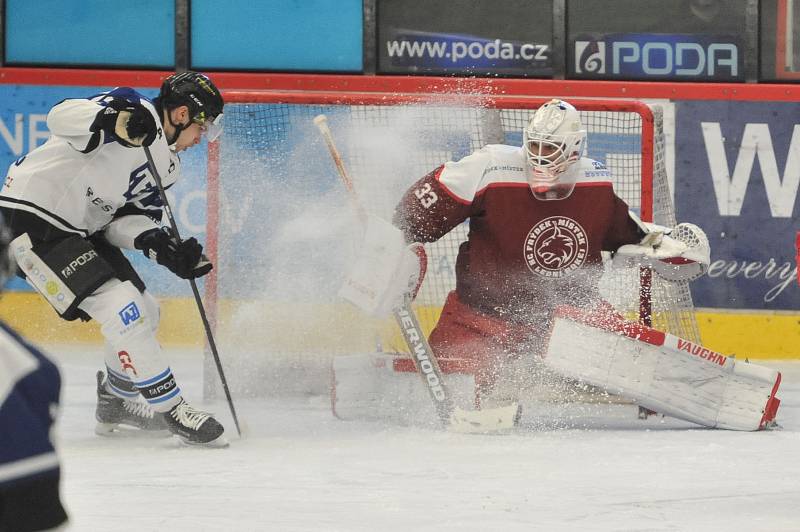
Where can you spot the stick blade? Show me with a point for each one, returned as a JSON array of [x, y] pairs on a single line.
[[486, 421]]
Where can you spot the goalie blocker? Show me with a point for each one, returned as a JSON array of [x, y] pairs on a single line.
[[662, 372]]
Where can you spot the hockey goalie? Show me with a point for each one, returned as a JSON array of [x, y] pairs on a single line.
[[541, 216]]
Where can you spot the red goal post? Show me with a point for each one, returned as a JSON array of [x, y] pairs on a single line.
[[266, 136]]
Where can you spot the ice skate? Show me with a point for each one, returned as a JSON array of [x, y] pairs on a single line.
[[117, 416], [195, 427]]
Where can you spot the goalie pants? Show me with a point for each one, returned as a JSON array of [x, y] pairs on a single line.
[[487, 342]]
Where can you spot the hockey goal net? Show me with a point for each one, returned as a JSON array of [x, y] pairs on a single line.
[[281, 230]]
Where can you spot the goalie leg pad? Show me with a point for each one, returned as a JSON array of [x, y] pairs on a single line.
[[665, 373]]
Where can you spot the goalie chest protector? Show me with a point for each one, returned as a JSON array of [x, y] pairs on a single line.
[[521, 250]]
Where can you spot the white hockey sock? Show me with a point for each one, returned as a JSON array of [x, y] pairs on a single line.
[[128, 322], [161, 390]]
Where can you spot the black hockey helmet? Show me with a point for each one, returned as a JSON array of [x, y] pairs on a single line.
[[199, 94]]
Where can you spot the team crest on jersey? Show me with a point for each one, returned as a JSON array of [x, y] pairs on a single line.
[[556, 246]]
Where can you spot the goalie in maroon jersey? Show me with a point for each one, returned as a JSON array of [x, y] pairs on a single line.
[[539, 217]]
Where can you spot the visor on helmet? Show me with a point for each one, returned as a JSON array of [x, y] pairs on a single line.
[[212, 129], [547, 188]]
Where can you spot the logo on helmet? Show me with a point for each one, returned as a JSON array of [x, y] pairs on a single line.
[[206, 86], [549, 119], [555, 247]]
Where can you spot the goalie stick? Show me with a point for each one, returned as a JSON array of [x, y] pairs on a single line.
[[451, 416], [201, 309]]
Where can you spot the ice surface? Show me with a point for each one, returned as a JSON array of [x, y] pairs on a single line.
[[300, 469]]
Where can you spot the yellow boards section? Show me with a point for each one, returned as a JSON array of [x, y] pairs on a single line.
[[31, 316], [751, 334]]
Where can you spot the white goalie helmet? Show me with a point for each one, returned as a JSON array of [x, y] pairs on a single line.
[[553, 140]]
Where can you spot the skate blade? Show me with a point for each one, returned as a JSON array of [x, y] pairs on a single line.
[[115, 430], [219, 443]]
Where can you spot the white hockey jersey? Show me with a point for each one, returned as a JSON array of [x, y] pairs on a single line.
[[83, 181]]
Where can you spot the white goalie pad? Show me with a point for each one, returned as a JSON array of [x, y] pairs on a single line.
[[384, 270], [662, 372]]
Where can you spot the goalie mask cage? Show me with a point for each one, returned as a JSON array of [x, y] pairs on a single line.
[[281, 229]]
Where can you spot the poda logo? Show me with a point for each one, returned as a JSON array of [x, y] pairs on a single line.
[[555, 247], [79, 261]]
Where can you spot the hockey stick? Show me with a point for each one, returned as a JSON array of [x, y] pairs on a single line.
[[425, 361], [210, 337]]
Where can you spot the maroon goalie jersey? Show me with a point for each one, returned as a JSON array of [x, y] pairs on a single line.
[[523, 256]]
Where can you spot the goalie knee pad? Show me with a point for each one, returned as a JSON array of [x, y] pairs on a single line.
[[65, 273]]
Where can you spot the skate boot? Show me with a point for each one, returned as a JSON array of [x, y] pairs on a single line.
[[117, 415], [194, 427]]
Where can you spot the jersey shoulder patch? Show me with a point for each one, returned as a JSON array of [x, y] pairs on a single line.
[[591, 171]]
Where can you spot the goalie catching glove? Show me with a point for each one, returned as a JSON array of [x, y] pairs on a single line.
[[386, 270], [678, 254], [183, 257]]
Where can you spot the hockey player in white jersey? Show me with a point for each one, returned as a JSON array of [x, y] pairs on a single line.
[[75, 201]]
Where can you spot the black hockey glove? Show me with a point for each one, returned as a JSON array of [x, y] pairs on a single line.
[[184, 258], [130, 123]]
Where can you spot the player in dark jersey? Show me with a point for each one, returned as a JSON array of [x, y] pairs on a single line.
[[30, 386]]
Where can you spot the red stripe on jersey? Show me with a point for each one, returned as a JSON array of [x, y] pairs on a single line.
[[594, 184], [505, 184], [526, 185]]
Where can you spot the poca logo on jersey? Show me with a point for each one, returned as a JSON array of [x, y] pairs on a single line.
[[643, 56], [556, 246]]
